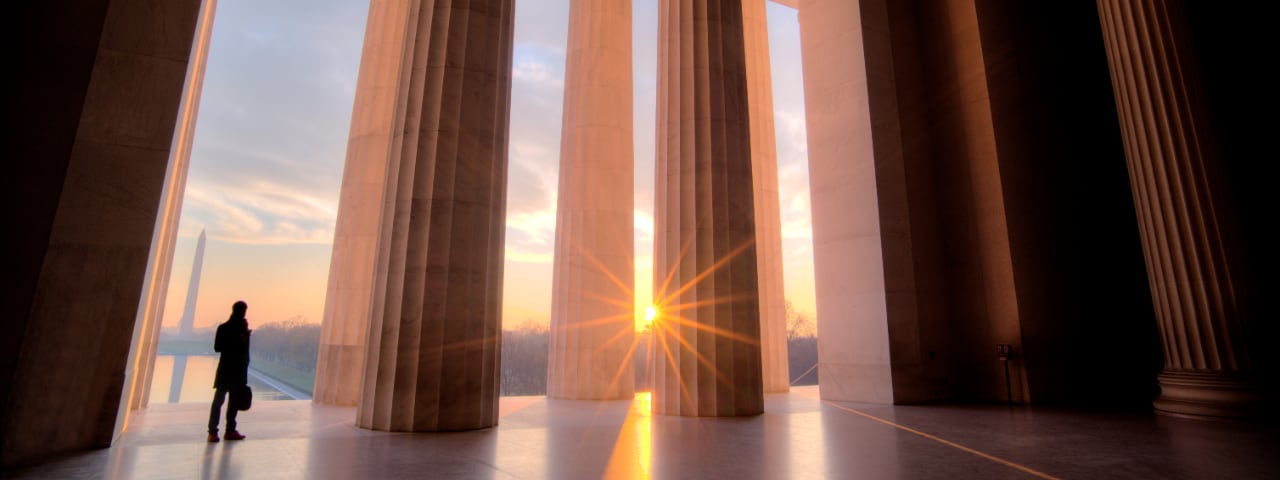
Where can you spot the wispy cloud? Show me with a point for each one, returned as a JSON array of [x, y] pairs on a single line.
[[542, 24], [261, 213], [271, 136], [536, 229], [531, 201], [537, 93], [515, 254], [271, 140], [644, 225], [538, 74], [793, 174], [793, 191]]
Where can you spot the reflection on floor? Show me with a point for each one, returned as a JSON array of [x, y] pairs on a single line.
[[189, 379], [799, 436]]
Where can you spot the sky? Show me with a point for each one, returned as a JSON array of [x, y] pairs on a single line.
[[270, 144]]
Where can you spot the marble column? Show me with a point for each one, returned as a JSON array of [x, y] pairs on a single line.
[[432, 358], [913, 261], [707, 335], [764, 174], [164, 239], [1184, 216], [101, 90], [592, 305], [355, 240]]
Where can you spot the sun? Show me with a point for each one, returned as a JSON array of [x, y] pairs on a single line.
[[650, 313]]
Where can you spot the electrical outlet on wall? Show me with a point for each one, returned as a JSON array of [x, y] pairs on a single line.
[[1004, 351]]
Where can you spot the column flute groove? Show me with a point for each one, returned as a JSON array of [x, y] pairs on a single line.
[[1179, 190], [593, 294], [764, 173], [1120, 80], [706, 353], [434, 338], [350, 286]]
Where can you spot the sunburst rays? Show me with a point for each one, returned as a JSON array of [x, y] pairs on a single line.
[[674, 327]]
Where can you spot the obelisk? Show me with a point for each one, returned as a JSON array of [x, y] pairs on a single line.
[[193, 291], [188, 321]]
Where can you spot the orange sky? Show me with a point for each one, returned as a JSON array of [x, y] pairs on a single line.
[[270, 146], [283, 281]]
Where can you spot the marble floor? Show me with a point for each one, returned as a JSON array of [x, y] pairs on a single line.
[[799, 436]]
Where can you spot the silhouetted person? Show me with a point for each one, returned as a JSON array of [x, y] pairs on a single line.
[[232, 341]]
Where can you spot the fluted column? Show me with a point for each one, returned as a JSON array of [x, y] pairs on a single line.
[[1179, 190], [707, 336], [355, 240], [592, 306], [432, 359], [764, 173]]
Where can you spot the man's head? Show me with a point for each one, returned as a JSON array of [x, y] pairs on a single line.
[[239, 308]]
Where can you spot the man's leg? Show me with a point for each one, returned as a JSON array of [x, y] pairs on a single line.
[[231, 418], [232, 434], [215, 411]]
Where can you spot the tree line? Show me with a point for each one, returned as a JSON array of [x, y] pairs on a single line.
[[524, 355], [295, 343]]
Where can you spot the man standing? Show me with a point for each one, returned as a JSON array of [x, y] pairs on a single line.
[[232, 341]]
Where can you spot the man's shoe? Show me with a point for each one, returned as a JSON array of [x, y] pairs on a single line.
[[213, 438], [234, 435]]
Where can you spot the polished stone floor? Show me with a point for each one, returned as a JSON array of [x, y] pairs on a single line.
[[799, 436]]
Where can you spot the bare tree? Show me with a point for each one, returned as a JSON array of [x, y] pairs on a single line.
[[798, 324], [802, 347], [524, 359]]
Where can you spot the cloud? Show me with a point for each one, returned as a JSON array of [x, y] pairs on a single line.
[[537, 93], [261, 213], [537, 99], [791, 133], [644, 225], [542, 24], [514, 254], [793, 192], [270, 140], [793, 175], [532, 229], [531, 201], [799, 254], [534, 174], [534, 152], [539, 75]]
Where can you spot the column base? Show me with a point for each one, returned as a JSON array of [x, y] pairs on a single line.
[[1207, 394]]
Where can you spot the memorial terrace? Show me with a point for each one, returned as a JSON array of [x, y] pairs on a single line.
[[798, 437], [1041, 238]]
